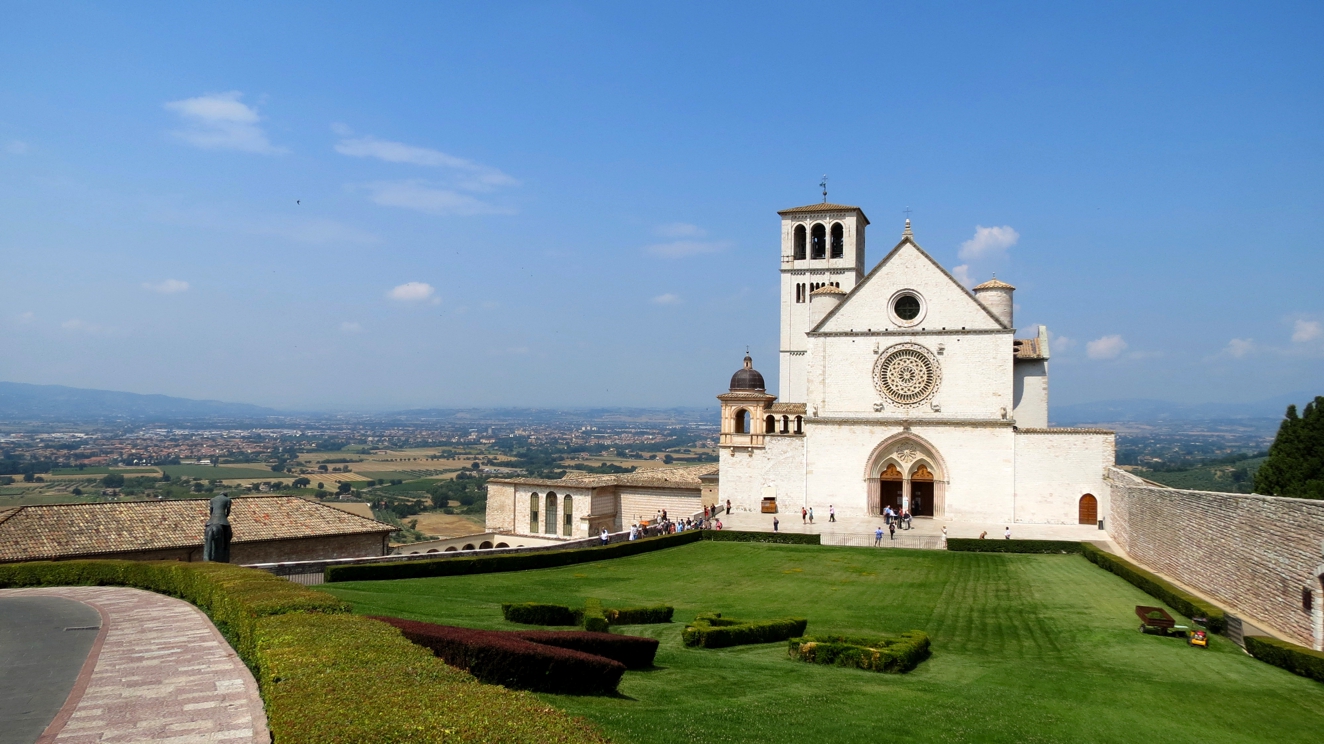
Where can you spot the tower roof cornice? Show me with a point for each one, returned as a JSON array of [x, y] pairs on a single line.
[[823, 207]]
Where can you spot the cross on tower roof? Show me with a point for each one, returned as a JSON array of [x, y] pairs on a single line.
[[823, 183]]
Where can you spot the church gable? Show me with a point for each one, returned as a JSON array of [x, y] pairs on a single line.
[[944, 302]]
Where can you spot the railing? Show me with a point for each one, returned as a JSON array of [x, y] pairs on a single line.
[[866, 540]]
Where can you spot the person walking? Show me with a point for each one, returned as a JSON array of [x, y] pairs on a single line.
[[878, 536], [775, 523], [944, 538], [1007, 534], [804, 515], [891, 528], [832, 513], [811, 515], [605, 539], [728, 507]]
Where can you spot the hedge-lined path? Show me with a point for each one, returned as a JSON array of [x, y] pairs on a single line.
[[162, 674]]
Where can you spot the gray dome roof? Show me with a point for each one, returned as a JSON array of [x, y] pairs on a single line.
[[747, 378]]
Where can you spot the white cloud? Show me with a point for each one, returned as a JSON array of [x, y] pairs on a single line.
[[680, 230], [414, 292], [82, 326], [169, 286], [1239, 347], [682, 248], [17, 147], [419, 195], [469, 175], [220, 121], [1107, 347], [666, 299], [1306, 330], [988, 241], [1059, 343], [350, 326], [962, 274]]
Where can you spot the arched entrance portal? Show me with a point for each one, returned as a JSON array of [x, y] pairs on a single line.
[[906, 472]]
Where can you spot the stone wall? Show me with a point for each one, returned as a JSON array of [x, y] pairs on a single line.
[[1055, 468], [326, 547], [1252, 554]]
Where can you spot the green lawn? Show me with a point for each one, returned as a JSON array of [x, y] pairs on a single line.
[[1026, 649]]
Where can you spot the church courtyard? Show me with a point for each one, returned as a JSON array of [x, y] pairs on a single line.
[[1026, 648]]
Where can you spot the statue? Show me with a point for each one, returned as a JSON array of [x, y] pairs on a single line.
[[216, 543]]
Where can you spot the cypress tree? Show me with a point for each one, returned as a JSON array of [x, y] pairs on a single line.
[[1295, 466]]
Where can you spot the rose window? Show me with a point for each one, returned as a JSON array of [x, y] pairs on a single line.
[[907, 374]]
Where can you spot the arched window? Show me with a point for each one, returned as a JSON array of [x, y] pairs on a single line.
[[786, 424], [432, 550], [818, 242], [485, 545], [838, 241], [569, 525], [1089, 509], [742, 421], [451, 549], [799, 242], [770, 425], [533, 512], [551, 513], [503, 545], [468, 546], [799, 424]]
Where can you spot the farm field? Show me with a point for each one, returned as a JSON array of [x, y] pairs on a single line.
[[222, 472], [102, 470], [1025, 649], [440, 524]]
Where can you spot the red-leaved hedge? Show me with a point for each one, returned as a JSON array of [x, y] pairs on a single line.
[[632, 651], [502, 658]]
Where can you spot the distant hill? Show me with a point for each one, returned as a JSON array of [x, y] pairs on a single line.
[[1153, 411], [23, 402]]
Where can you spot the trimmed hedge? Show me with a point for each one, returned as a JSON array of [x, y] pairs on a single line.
[[1295, 659], [632, 651], [715, 631], [783, 538], [595, 621], [640, 615], [895, 654], [1184, 602], [973, 545], [511, 661], [480, 564], [534, 613], [327, 677]]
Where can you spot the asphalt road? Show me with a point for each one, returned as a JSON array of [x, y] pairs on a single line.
[[42, 650]]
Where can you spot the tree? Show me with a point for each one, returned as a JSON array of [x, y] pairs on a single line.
[[77, 491], [343, 488], [301, 482], [113, 480], [1295, 466]]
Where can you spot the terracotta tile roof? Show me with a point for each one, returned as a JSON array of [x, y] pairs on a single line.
[[67, 530], [1028, 348], [786, 408], [827, 289], [686, 478], [824, 207], [995, 283]]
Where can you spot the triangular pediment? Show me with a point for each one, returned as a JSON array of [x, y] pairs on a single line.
[[947, 304]]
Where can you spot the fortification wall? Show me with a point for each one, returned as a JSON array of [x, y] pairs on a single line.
[[1253, 554]]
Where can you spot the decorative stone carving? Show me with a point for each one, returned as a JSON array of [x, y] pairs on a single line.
[[907, 374], [906, 456]]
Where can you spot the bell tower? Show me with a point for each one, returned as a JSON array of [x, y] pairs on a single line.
[[822, 246]]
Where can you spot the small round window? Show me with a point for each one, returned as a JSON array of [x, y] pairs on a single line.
[[906, 307]]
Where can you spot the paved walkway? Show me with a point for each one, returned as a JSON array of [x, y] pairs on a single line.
[[926, 532], [43, 644], [159, 672]]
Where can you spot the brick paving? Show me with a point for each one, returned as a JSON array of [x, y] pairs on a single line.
[[164, 674]]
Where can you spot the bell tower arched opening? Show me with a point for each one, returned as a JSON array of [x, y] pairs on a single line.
[[818, 241]]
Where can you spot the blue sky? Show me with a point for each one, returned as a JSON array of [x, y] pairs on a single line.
[[351, 206]]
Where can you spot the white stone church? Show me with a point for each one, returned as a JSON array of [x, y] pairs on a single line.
[[901, 387]]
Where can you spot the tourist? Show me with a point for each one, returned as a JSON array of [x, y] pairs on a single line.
[[705, 511], [832, 513], [891, 529], [775, 523], [1007, 535], [605, 538], [728, 507], [804, 515], [887, 514], [983, 534], [944, 538], [664, 515], [634, 532], [878, 536], [719, 524], [905, 516], [811, 515]]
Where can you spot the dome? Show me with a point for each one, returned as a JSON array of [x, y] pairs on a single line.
[[747, 378]]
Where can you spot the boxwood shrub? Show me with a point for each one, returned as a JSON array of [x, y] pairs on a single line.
[[327, 677], [896, 654], [535, 613], [715, 631], [1182, 601], [505, 659], [640, 615], [595, 621], [1295, 659], [632, 651], [480, 564], [971, 545], [783, 538]]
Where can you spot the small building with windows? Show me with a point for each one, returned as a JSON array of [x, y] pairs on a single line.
[[582, 504], [900, 387]]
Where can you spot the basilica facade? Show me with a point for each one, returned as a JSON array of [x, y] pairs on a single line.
[[901, 388]]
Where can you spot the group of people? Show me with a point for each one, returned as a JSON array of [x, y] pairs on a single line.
[[895, 518], [662, 524]]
